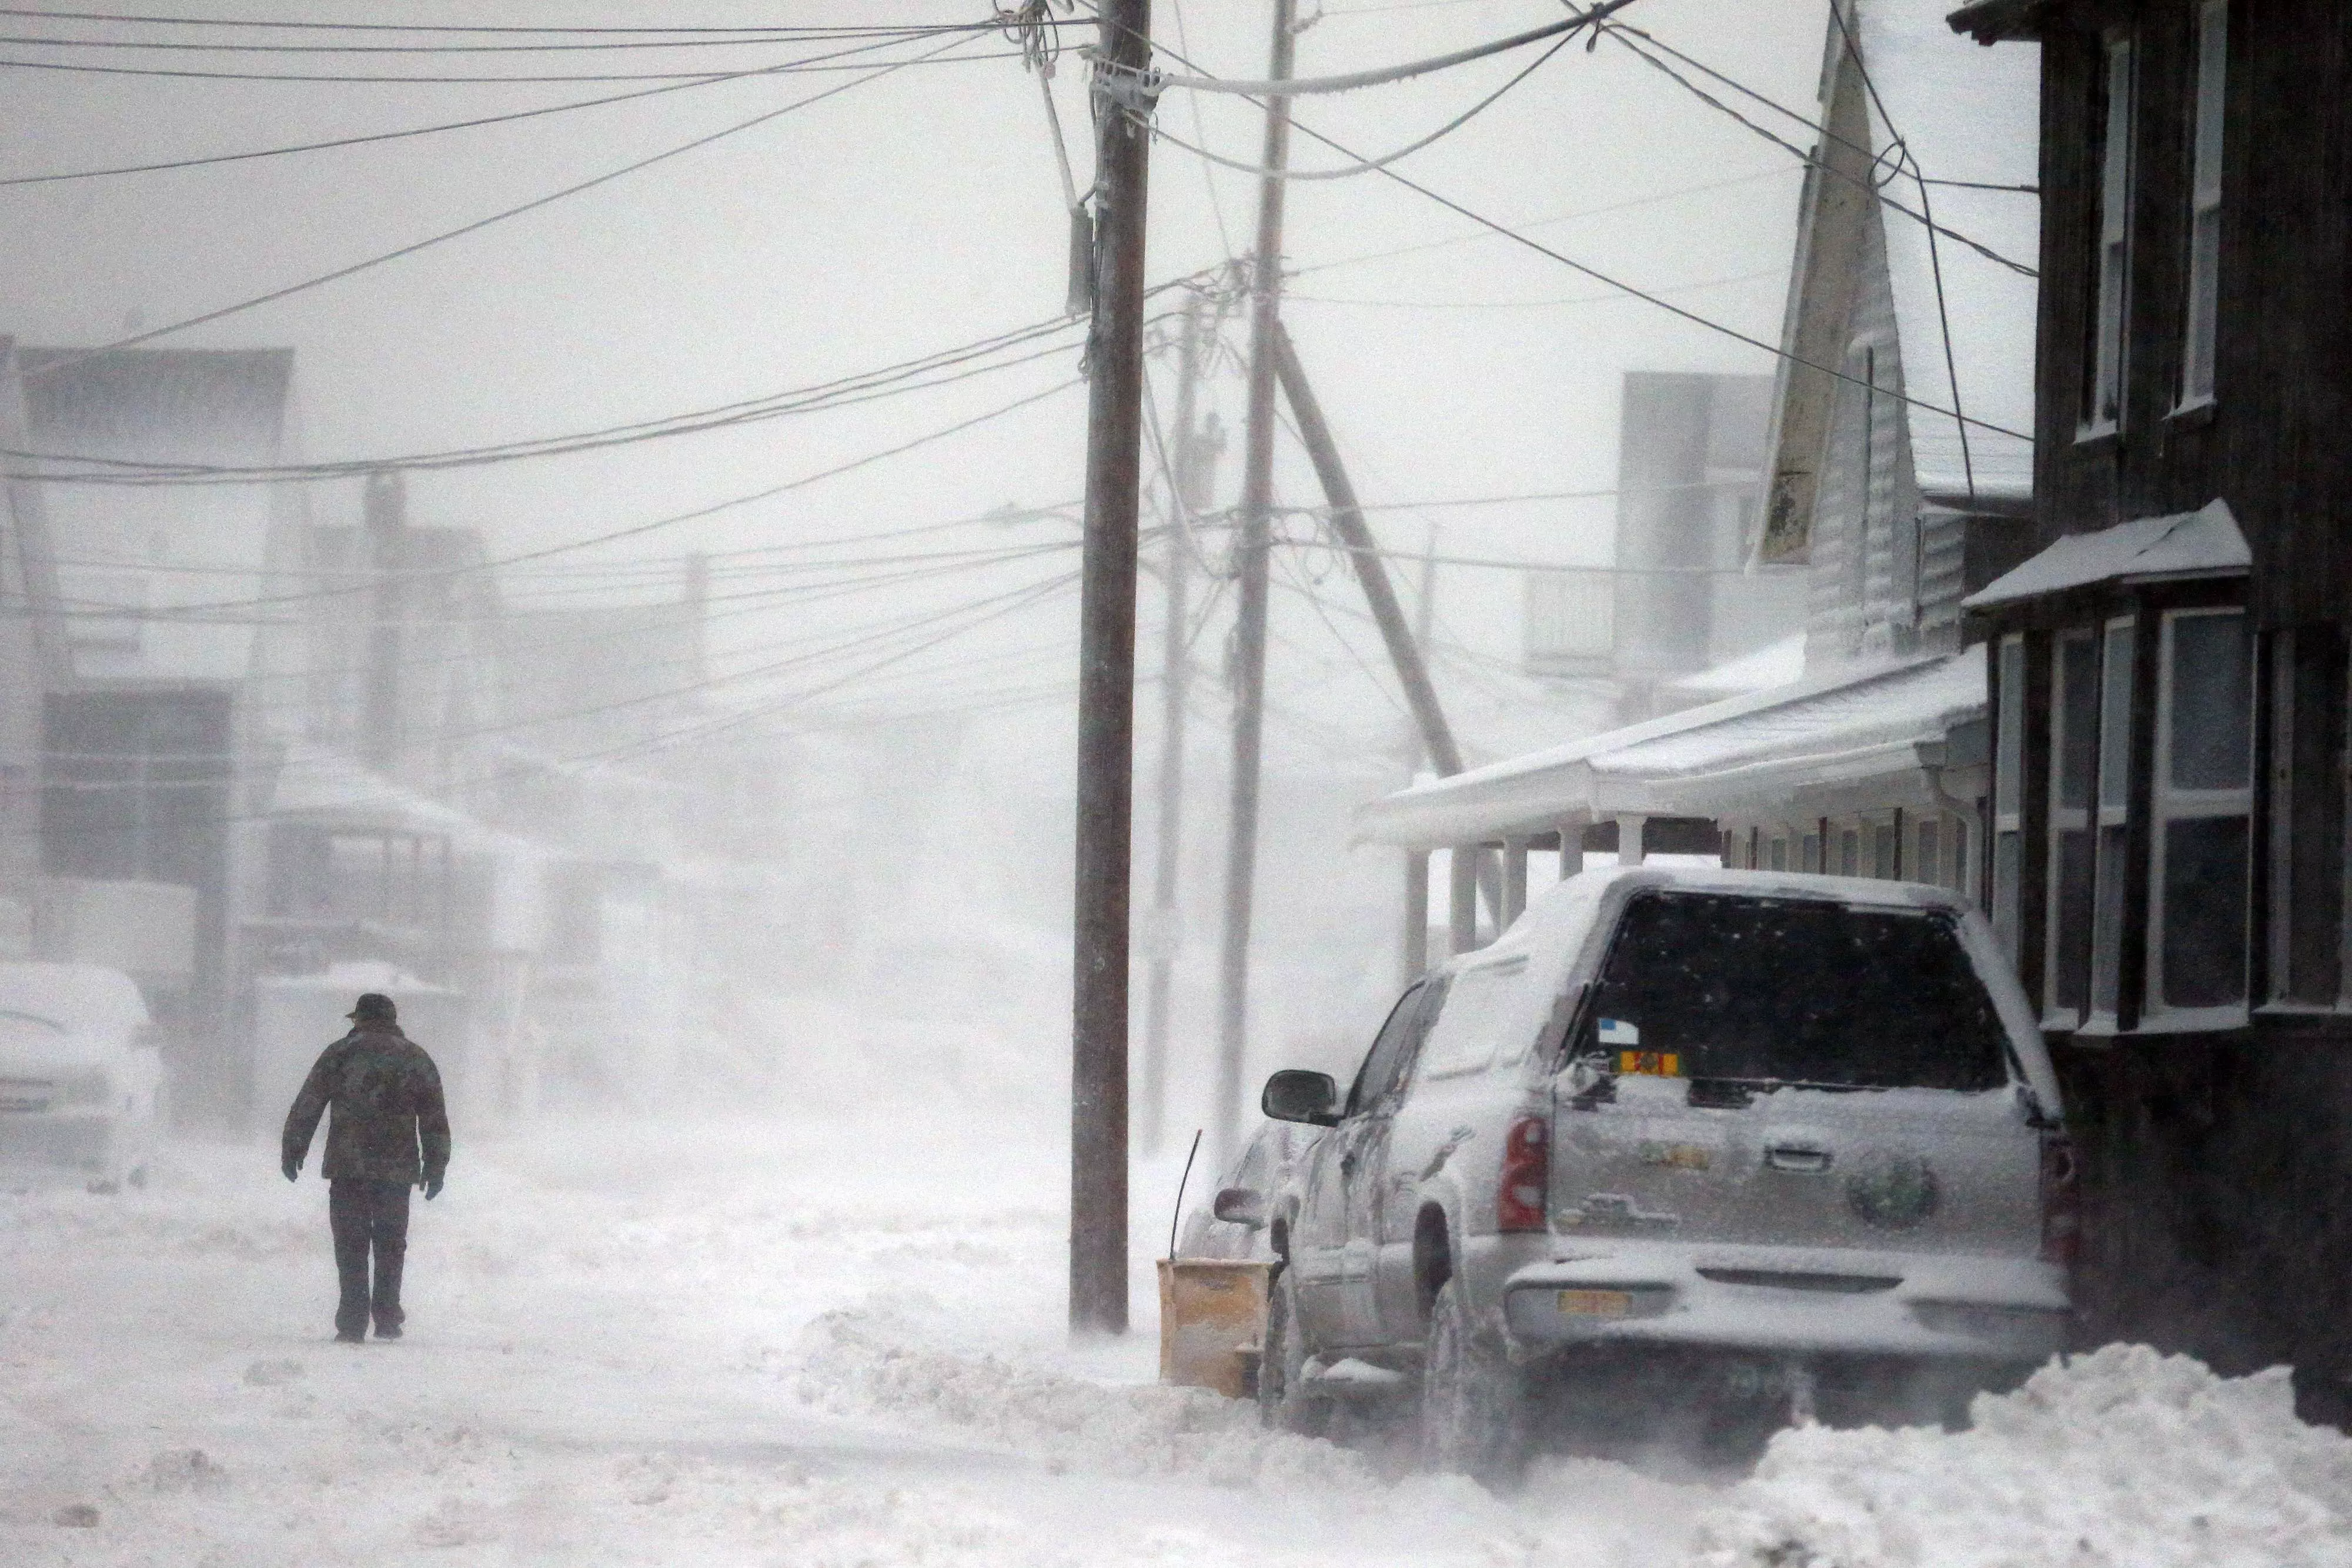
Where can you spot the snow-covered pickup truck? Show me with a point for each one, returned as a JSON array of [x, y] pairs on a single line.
[[1693, 1145]]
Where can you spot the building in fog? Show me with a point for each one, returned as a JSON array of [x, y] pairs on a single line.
[[1684, 599], [1883, 501]]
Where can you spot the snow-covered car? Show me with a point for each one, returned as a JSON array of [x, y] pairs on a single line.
[[1739, 1140], [1232, 1224], [81, 1080]]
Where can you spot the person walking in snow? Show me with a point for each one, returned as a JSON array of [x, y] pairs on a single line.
[[389, 1133]]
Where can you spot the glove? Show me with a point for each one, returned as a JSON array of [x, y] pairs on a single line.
[[291, 1165], [432, 1188]]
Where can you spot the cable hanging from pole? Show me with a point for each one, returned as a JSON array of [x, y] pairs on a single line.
[[1302, 87]]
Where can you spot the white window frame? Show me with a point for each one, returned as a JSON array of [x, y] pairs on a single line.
[[2009, 794], [2111, 794], [2062, 820], [2111, 274], [2172, 805], [2201, 317]]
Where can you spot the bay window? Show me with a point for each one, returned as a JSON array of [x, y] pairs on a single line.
[[2117, 654], [2203, 801], [2073, 751], [2009, 793]]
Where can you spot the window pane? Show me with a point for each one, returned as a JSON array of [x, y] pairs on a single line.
[[1798, 990], [2005, 847], [2210, 737], [2071, 906], [2078, 708], [2204, 302], [1849, 860], [2212, 81], [1929, 866], [2107, 923], [2114, 718], [2205, 912], [2009, 763], [1811, 853], [1779, 854], [1959, 875]]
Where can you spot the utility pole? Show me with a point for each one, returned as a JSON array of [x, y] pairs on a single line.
[[1106, 792], [1356, 539], [383, 510], [1249, 632], [1189, 491]]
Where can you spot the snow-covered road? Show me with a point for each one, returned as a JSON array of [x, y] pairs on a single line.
[[841, 1345]]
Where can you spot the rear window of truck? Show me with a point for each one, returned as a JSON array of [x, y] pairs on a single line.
[[1796, 991]]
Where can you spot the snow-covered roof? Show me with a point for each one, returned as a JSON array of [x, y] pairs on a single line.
[[1963, 113], [2202, 543], [1775, 664], [1745, 752]]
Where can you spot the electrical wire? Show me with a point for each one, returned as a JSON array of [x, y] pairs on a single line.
[[749, 40], [1156, 82], [418, 80], [687, 85], [1452, 240], [534, 204], [1622, 34], [639, 529], [1366, 166], [260, 25], [1557, 301]]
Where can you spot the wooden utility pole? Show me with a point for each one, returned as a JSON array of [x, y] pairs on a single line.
[[1188, 492], [384, 509], [1250, 566], [1364, 551], [1106, 792]]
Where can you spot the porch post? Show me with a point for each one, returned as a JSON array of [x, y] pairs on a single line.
[[1515, 881], [1629, 839], [1413, 951], [1462, 866], [1571, 847]]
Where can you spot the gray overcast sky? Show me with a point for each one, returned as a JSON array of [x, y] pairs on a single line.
[[908, 215]]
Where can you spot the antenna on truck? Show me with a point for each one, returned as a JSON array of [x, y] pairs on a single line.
[[1177, 1217]]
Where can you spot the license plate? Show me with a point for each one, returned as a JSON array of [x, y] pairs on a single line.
[[1595, 1303]]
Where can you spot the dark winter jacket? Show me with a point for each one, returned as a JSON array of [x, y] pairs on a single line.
[[387, 1098]]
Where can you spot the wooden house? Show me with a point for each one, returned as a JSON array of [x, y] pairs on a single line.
[[2170, 671]]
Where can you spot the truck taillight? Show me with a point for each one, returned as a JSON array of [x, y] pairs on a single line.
[[1519, 1196], [2062, 1201]]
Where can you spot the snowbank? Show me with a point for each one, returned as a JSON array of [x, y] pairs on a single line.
[[2122, 1457], [866, 1361]]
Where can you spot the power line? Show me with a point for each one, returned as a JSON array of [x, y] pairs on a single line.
[[1300, 86], [822, 34], [1623, 34], [1558, 300], [533, 205], [638, 529], [1366, 166], [787, 69], [1451, 240], [260, 25], [348, 79]]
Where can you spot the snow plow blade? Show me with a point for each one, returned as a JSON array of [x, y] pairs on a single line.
[[1212, 1323]]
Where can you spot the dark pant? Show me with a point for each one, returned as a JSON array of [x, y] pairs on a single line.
[[368, 1214]]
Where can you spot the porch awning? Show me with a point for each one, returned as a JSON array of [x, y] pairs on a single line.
[[1744, 758], [2202, 543]]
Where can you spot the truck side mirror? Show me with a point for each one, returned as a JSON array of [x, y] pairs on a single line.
[[1294, 1094], [1240, 1205]]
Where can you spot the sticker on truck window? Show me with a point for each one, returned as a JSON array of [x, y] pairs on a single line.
[[1619, 1034], [1650, 1063]]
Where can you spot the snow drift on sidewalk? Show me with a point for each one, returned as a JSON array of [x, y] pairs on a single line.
[[2120, 1458], [870, 1360]]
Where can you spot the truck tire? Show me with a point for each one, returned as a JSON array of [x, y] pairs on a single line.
[[1283, 1404], [1473, 1418]]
